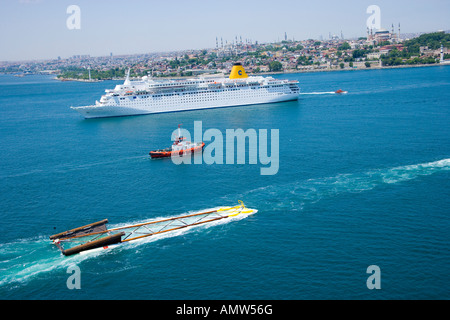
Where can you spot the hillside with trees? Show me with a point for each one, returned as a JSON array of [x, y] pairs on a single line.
[[431, 40], [411, 53]]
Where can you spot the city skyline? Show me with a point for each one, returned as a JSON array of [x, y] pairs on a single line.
[[37, 29]]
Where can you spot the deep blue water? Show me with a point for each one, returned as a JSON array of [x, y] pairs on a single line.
[[364, 179]]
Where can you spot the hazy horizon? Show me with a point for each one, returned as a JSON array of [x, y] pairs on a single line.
[[37, 30]]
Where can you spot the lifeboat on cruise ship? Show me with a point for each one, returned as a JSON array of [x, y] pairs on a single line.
[[180, 147]]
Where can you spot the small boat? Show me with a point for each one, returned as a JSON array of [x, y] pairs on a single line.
[[341, 91], [180, 147]]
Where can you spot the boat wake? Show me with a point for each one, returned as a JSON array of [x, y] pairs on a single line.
[[65, 168], [316, 93], [294, 196]]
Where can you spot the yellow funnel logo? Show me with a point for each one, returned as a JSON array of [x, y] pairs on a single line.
[[238, 72]]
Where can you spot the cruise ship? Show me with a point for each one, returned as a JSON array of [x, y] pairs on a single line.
[[147, 96]]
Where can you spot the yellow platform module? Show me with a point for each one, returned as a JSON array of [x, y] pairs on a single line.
[[238, 72]]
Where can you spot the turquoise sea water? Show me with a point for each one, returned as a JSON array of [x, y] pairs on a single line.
[[364, 179]]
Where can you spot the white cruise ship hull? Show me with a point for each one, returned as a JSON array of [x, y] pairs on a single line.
[[147, 96], [141, 105]]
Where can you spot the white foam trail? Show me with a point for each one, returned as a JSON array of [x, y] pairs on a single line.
[[27, 258], [64, 168], [293, 196], [313, 93]]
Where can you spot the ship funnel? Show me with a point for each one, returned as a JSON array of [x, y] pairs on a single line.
[[238, 72]]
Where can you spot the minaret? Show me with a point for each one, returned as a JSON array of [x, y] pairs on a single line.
[[217, 43], [398, 32], [392, 34], [442, 53]]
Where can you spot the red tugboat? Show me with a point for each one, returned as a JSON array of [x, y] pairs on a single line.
[[180, 147]]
